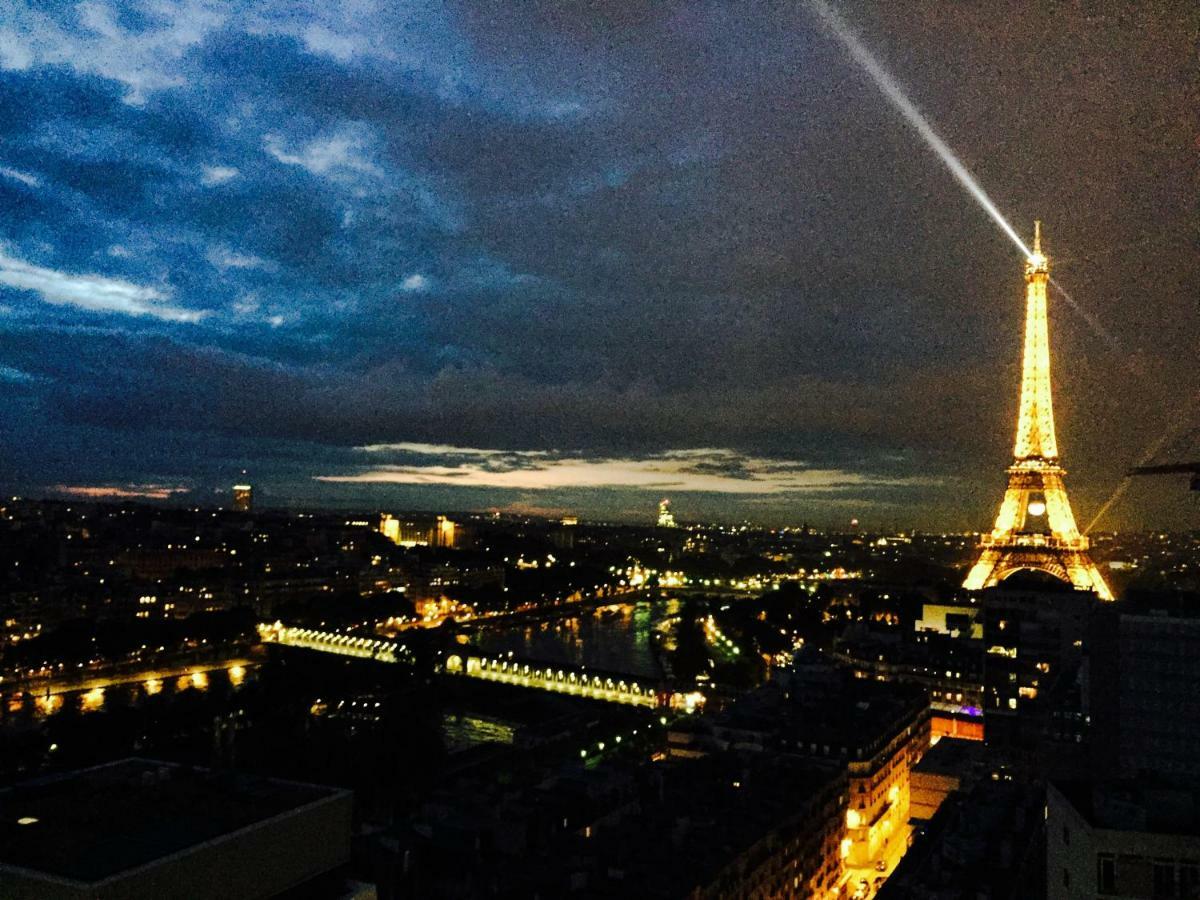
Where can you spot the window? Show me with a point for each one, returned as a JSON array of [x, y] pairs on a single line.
[[1066, 878], [1066, 836], [1106, 874], [1164, 878], [1189, 879]]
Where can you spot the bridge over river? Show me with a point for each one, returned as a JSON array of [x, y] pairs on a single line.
[[576, 681], [376, 649]]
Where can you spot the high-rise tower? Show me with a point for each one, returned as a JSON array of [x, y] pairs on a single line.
[[1035, 528]]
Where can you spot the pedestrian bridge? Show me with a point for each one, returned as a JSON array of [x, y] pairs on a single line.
[[562, 680], [334, 642]]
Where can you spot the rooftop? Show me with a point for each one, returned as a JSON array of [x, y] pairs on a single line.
[[952, 756], [1145, 805], [710, 812], [93, 823]]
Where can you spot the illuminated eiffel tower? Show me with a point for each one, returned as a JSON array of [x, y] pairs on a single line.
[[1035, 528]]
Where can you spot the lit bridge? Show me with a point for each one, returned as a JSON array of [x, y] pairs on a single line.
[[333, 642], [565, 680], [611, 688]]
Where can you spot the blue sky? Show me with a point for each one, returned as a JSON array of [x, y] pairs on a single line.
[[557, 256]]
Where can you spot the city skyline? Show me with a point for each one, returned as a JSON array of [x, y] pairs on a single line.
[[547, 261]]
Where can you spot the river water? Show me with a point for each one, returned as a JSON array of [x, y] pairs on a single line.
[[619, 638]]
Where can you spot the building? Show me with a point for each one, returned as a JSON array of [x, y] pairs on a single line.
[[143, 828], [1145, 667], [1033, 636], [1035, 528], [880, 781], [562, 535], [439, 531], [950, 765], [734, 825], [666, 519], [446, 533], [748, 825], [389, 527], [875, 733], [243, 497], [952, 619], [949, 668], [878, 733], [1121, 839], [981, 843]]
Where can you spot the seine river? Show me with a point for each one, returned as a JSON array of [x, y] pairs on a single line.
[[617, 638]]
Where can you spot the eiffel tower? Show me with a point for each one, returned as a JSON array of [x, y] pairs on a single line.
[[1035, 528]]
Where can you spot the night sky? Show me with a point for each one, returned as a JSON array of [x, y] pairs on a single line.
[[556, 256]]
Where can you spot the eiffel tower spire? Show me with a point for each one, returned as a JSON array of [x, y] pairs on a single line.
[[1035, 423], [1035, 528]]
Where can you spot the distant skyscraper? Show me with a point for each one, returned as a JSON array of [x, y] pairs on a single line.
[[243, 497], [665, 519], [1035, 528]]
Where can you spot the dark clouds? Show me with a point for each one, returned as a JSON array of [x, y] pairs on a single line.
[[608, 230]]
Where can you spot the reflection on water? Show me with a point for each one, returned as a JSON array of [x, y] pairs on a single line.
[[198, 680], [48, 705], [38, 706], [614, 638], [462, 731]]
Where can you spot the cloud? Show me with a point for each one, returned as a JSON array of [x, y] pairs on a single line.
[[94, 42], [414, 282], [97, 293], [224, 258], [443, 450], [711, 470], [213, 175], [336, 156], [24, 177], [319, 39], [15, 54], [8, 373], [120, 492]]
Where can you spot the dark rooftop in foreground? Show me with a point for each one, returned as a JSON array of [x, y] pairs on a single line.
[[91, 824], [1143, 804]]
